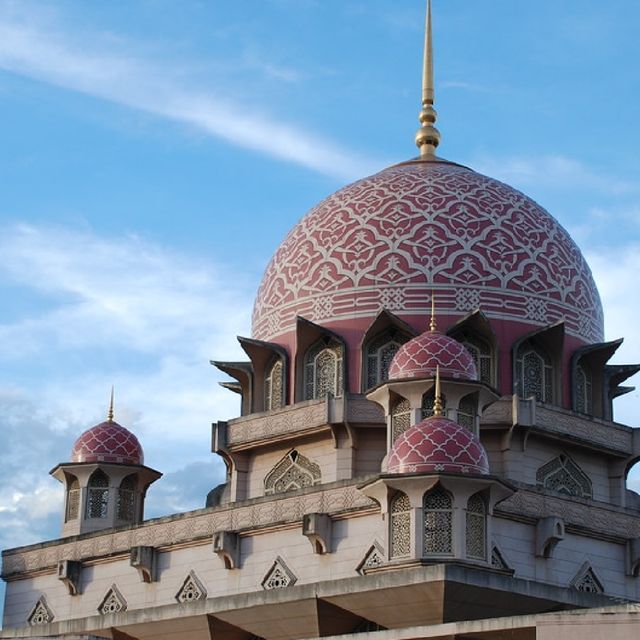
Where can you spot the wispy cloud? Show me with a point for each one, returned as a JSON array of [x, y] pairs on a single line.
[[115, 73], [552, 171]]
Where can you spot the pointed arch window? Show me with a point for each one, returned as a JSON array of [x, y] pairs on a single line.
[[379, 354], [323, 370], [481, 352], [583, 382], [467, 410], [400, 418], [476, 527], [274, 386], [437, 507], [98, 495], [73, 499], [400, 525], [534, 373], [126, 503]]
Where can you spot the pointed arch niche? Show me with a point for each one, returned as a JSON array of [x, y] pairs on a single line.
[[291, 473], [385, 335]]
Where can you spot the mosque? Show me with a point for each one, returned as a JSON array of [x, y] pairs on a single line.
[[426, 446]]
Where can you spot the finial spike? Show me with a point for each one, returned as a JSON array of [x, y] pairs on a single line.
[[437, 400], [110, 414], [433, 325], [428, 137]]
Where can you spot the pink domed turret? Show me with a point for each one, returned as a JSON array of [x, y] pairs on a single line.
[[419, 358], [438, 445], [108, 442]]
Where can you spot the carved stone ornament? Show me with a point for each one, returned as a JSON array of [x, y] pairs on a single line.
[[278, 576], [192, 589], [587, 581], [374, 557], [40, 614], [113, 602]]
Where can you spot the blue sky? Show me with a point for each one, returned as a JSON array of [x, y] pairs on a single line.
[[154, 153]]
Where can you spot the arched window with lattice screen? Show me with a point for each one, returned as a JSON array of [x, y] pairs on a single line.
[[379, 353], [564, 476], [73, 499], [323, 370], [428, 400], [292, 472], [467, 410], [583, 385], [98, 495], [481, 352], [274, 385], [476, 527], [126, 502], [400, 526], [437, 508], [534, 373], [400, 418]]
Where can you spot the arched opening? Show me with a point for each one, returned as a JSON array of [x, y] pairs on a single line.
[[583, 389], [378, 354], [400, 418], [274, 386], [437, 507], [534, 372], [98, 495], [126, 502], [400, 526], [467, 410], [323, 370], [73, 499], [481, 352], [476, 527]]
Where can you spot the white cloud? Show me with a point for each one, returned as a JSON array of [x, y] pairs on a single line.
[[551, 171], [113, 72]]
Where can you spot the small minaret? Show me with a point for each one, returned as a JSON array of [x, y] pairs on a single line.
[[106, 480]]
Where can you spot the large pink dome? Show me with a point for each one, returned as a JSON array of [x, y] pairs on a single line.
[[108, 442], [390, 239], [423, 354], [438, 445]]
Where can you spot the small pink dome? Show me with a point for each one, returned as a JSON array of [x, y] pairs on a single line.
[[438, 445], [108, 442], [420, 356]]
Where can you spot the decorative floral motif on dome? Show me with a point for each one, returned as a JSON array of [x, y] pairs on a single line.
[[390, 239], [420, 356], [107, 442], [438, 445]]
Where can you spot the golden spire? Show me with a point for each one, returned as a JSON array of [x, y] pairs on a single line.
[[428, 137], [432, 324], [437, 400], [110, 414]]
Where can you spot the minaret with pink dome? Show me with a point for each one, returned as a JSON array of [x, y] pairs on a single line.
[[106, 480]]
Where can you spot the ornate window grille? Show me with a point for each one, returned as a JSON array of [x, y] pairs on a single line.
[[400, 526], [437, 506], [98, 495], [323, 370], [274, 386], [73, 500], [126, 502], [480, 351], [467, 412], [563, 475], [476, 527], [534, 373], [293, 472], [379, 354], [583, 382], [428, 400], [400, 418]]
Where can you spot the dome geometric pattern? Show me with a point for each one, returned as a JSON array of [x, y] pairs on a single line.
[[108, 442], [438, 445], [420, 357], [389, 240]]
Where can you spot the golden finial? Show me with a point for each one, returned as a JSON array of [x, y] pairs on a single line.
[[437, 400], [110, 414], [428, 137], [432, 325]]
